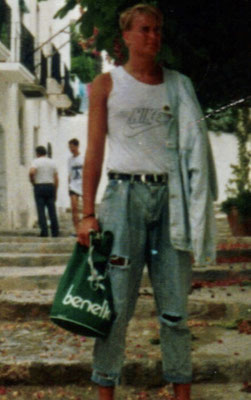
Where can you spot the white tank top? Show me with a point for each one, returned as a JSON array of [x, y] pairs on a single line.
[[138, 124]]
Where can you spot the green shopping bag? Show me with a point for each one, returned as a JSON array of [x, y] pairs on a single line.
[[83, 301]]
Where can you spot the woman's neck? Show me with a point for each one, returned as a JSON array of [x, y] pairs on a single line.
[[146, 71]]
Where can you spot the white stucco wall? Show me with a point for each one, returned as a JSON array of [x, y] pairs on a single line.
[[14, 53], [16, 194], [11, 105], [3, 179], [224, 147], [69, 128], [49, 27]]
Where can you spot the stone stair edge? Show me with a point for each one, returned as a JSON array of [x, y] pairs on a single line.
[[143, 292], [33, 278], [224, 359], [68, 235], [134, 373], [38, 259], [212, 391], [206, 303], [207, 269]]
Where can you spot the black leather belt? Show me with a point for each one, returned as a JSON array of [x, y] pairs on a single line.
[[144, 178]]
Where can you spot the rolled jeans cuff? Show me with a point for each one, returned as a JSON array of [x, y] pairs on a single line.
[[178, 378], [105, 380]]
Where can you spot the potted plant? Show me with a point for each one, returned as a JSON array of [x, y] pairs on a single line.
[[237, 206]]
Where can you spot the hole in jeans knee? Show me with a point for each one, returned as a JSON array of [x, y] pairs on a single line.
[[172, 318], [120, 262]]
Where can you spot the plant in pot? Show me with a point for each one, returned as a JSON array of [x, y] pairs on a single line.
[[237, 205]]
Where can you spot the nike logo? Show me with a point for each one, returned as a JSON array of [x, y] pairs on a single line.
[[144, 119]]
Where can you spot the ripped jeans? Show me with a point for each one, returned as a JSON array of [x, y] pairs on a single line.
[[137, 214]]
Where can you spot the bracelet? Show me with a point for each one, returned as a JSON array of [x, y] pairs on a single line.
[[88, 216]]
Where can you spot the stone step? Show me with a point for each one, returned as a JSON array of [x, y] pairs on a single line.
[[19, 239], [33, 259], [233, 249], [26, 233], [36, 247], [51, 255], [226, 303], [39, 353], [233, 255], [47, 277], [200, 391], [30, 278], [66, 244]]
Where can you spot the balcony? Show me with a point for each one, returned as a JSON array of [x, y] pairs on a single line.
[[56, 65], [21, 69], [27, 49], [5, 31], [38, 88], [43, 70], [67, 86], [54, 85]]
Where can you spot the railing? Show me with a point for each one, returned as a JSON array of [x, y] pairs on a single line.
[[55, 68], [27, 49], [67, 86], [5, 24], [43, 70]]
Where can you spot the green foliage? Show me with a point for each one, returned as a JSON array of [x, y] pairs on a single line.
[[86, 67], [207, 40], [86, 64], [223, 121], [242, 201], [239, 187], [87, 26]]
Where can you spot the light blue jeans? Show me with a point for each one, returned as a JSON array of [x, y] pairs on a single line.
[[137, 214]]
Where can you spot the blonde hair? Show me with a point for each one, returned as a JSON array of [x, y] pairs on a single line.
[[126, 17]]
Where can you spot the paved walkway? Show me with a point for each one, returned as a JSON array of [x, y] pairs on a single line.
[[36, 356]]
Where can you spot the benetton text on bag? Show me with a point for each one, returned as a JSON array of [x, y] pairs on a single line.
[[103, 311]]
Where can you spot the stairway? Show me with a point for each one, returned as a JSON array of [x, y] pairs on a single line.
[[38, 359]]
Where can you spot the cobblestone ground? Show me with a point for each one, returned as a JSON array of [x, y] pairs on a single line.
[[199, 392]]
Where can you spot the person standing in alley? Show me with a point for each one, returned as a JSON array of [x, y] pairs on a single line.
[[44, 177], [159, 199], [75, 166]]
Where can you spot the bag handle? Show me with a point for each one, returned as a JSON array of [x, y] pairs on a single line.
[[95, 278]]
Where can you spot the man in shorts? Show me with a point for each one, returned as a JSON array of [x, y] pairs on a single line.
[[75, 166], [158, 202]]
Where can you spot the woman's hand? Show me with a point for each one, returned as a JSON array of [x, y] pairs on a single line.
[[86, 225]]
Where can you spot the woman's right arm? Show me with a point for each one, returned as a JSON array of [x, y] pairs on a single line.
[[92, 168]]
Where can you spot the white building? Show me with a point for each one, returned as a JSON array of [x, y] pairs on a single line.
[[34, 87]]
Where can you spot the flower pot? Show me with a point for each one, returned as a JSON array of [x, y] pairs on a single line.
[[239, 225]]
